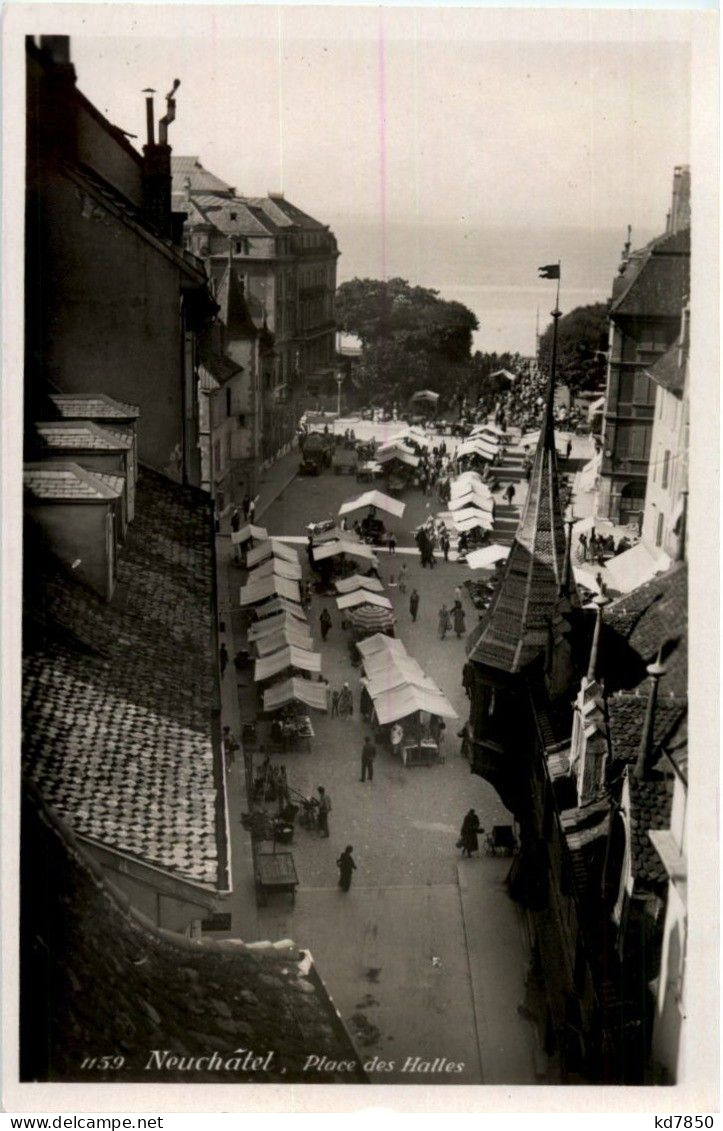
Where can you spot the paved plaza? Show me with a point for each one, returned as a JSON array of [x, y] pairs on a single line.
[[410, 974]]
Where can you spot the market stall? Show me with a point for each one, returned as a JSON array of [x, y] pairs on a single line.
[[376, 499], [358, 581], [282, 638], [487, 557], [272, 547], [249, 533], [367, 620], [290, 656], [279, 605], [266, 588], [276, 567], [362, 597]]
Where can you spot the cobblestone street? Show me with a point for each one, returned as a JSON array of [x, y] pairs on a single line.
[[395, 952]]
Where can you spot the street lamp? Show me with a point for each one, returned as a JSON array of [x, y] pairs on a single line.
[[339, 380]]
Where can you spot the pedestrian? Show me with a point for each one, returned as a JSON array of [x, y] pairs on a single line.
[[346, 866], [568, 448], [402, 580], [465, 745], [414, 604], [223, 658], [510, 493], [457, 595], [235, 520], [458, 619], [583, 545], [397, 738], [246, 504], [468, 833], [324, 804], [252, 509], [230, 746], [334, 704], [443, 622], [346, 702], [325, 623], [445, 544], [368, 754], [392, 544]]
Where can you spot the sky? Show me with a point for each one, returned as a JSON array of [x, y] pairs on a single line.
[[457, 147], [518, 118]]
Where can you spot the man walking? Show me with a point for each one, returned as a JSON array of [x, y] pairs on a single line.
[[346, 866], [414, 604], [246, 504], [369, 753], [510, 493], [403, 578], [223, 658], [235, 527], [325, 623], [324, 804]]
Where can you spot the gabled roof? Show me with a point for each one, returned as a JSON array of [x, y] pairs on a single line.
[[64, 482], [659, 279], [626, 716], [93, 406], [669, 371], [526, 604], [233, 308], [200, 178], [650, 806], [655, 615], [119, 697], [284, 214], [70, 435], [112, 980]]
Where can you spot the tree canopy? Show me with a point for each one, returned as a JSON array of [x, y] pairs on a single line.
[[581, 345], [411, 338]]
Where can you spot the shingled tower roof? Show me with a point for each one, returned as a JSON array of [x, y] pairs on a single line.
[[234, 311], [526, 607]]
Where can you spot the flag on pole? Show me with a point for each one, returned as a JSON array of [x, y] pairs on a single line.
[[551, 271]]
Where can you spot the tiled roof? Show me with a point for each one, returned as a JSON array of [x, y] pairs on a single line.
[[219, 366], [669, 371], [660, 279], [656, 614], [233, 309], [93, 406], [626, 715], [238, 217], [190, 167], [119, 695], [285, 214], [111, 980], [526, 603], [59, 481], [84, 435], [650, 805]]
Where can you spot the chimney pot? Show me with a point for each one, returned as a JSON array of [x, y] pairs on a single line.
[[57, 48]]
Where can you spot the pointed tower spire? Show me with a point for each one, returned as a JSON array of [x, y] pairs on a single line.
[[643, 765], [527, 604], [599, 601], [234, 311]]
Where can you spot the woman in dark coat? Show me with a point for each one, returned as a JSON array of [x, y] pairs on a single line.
[[458, 619], [346, 866], [468, 833]]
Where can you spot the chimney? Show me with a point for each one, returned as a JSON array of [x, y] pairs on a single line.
[[680, 207], [56, 48], [157, 166], [643, 766]]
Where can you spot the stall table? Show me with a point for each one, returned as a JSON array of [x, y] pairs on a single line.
[[424, 753], [275, 871]]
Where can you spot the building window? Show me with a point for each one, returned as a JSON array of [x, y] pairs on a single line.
[[217, 456], [666, 469], [659, 530], [228, 401], [239, 247], [228, 447]]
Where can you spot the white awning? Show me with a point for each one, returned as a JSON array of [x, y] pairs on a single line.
[[247, 532], [401, 670], [276, 567], [358, 581], [634, 567], [363, 597], [279, 605], [310, 693], [289, 657], [401, 454], [399, 702], [373, 499], [284, 638], [275, 623], [267, 587], [487, 557], [380, 643], [269, 548], [342, 546]]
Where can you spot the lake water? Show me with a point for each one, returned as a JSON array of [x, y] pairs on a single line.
[[492, 271]]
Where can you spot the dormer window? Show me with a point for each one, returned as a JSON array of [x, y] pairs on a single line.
[[233, 215]]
